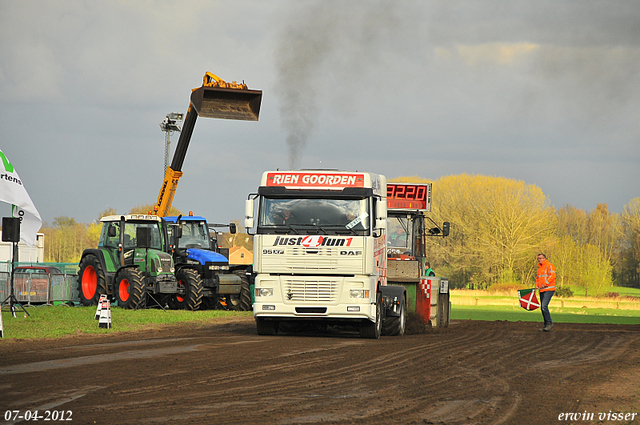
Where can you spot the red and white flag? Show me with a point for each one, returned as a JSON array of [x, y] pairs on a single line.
[[528, 299]]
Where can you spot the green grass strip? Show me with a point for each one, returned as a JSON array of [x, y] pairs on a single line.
[[559, 315], [59, 321]]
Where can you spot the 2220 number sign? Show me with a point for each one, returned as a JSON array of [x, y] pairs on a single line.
[[404, 196]]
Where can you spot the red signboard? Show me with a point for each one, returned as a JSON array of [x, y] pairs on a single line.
[[315, 180], [406, 196]]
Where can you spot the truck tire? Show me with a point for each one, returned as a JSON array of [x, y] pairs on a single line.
[[267, 327], [192, 298], [91, 281], [370, 329], [241, 301], [130, 291], [395, 325]]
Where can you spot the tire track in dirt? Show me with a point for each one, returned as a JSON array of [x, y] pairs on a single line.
[[469, 373], [289, 388], [281, 385]]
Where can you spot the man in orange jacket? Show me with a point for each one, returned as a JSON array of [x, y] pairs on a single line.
[[546, 284]]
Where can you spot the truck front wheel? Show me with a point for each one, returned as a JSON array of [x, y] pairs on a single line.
[[130, 291], [373, 329], [191, 281], [267, 327], [91, 281]]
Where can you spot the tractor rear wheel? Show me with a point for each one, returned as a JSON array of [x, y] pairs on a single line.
[[191, 281], [241, 301], [130, 291], [91, 280]]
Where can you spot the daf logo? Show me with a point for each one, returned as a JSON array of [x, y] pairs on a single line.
[[350, 252], [290, 295]]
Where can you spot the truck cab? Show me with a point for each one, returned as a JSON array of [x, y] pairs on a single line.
[[320, 249]]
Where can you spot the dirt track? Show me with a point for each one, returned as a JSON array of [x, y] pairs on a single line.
[[472, 372]]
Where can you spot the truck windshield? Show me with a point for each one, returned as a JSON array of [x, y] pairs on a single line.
[[195, 234], [321, 216]]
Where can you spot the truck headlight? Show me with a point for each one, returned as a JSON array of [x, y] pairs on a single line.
[[359, 293], [264, 292]]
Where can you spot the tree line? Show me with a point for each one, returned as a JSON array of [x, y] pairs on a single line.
[[498, 225]]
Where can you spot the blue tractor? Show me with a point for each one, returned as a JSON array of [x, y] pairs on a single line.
[[202, 267]]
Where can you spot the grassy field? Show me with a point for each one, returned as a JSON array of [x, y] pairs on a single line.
[[559, 315], [484, 305], [59, 321]]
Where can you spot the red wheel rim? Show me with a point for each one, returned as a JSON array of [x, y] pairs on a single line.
[[89, 282], [123, 289]]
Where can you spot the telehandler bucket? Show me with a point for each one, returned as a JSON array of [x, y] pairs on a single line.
[[227, 103]]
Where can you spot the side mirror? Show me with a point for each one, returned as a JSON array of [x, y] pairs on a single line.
[[445, 228], [381, 213], [177, 232], [232, 228], [248, 214], [111, 231]]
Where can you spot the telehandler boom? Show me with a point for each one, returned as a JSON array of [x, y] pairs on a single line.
[[215, 99]]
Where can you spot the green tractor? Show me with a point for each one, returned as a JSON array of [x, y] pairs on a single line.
[[130, 265]]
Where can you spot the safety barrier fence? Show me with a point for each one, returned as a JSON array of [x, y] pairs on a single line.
[[40, 288]]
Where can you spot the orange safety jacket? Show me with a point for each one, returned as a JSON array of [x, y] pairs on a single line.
[[546, 277]]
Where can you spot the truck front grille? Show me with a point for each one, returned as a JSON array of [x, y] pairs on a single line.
[[316, 291], [312, 259]]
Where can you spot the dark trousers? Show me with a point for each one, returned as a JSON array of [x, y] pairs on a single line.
[[545, 298]]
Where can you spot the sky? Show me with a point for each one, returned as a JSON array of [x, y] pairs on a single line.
[[545, 92]]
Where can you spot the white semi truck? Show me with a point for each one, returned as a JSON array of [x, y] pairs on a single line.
[[320, 252]]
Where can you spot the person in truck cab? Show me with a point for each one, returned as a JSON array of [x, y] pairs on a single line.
[[286, 217], [398, 238]]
